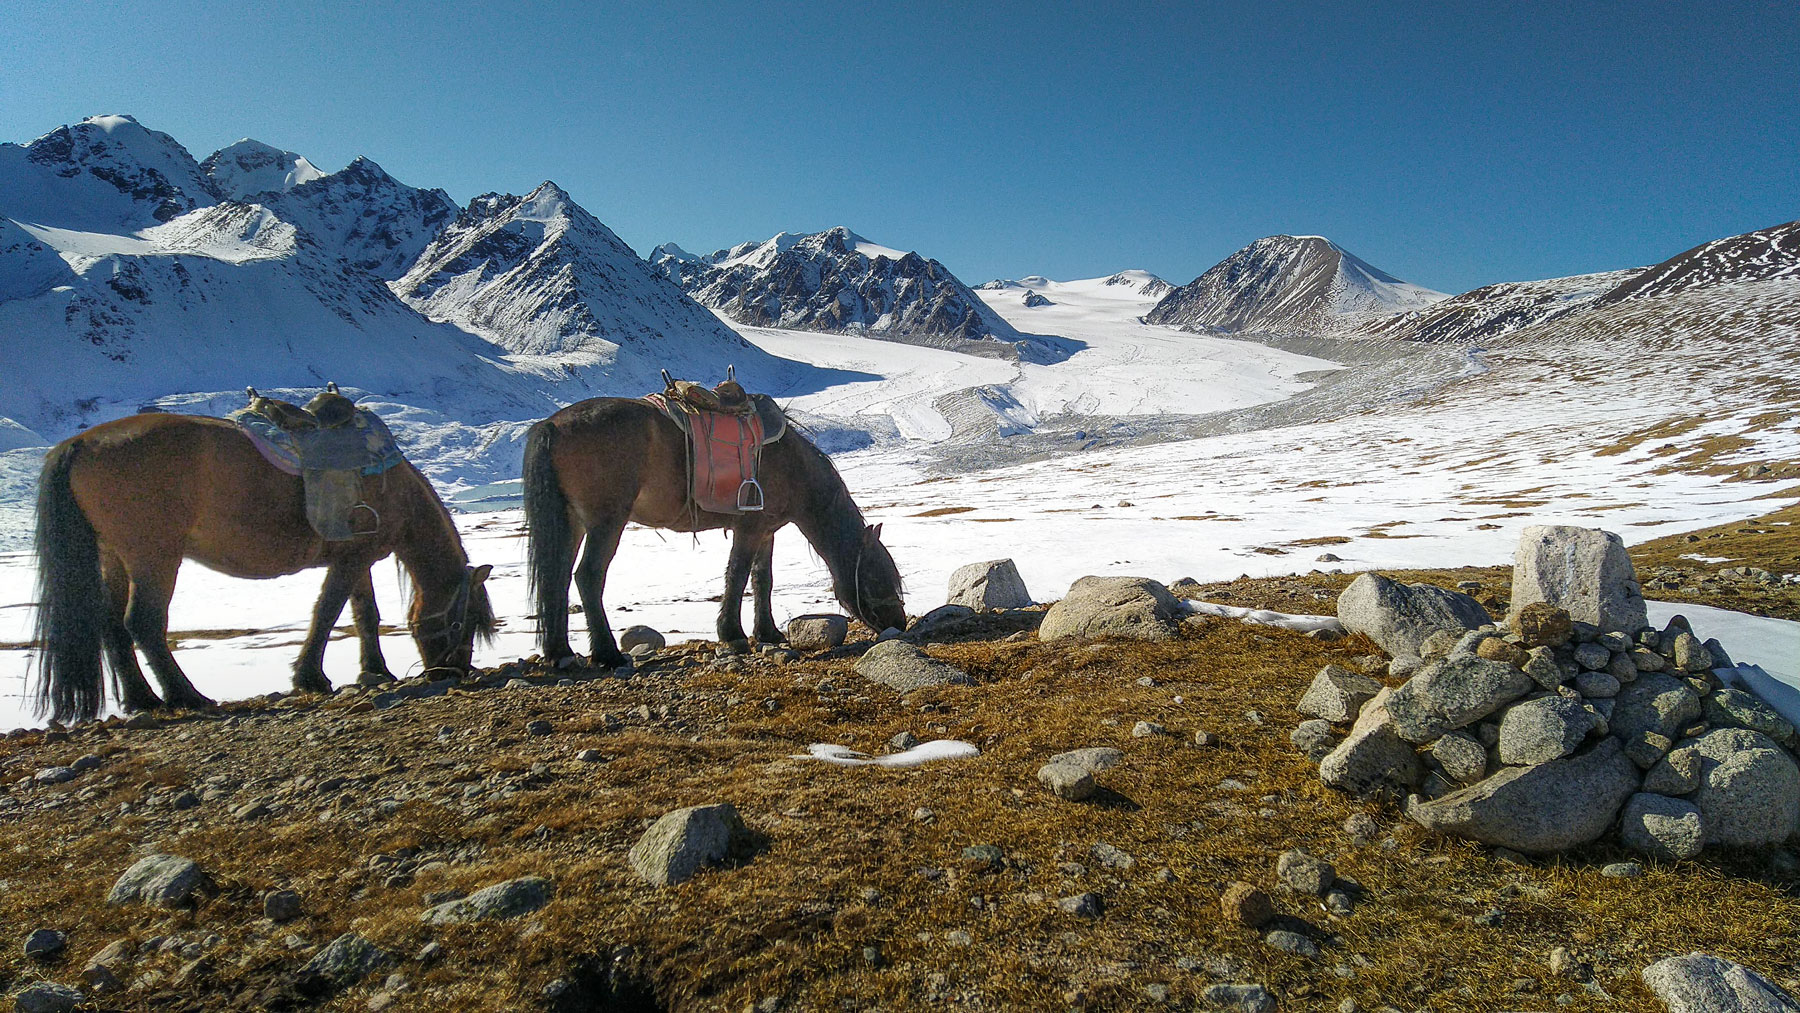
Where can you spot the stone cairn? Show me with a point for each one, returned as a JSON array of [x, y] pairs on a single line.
[[1572, 719]]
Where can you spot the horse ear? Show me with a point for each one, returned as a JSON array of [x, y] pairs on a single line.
[[480, 573], [875, 529]]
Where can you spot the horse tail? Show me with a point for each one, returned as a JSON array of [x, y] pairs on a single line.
[[552, 537], [72, 607]]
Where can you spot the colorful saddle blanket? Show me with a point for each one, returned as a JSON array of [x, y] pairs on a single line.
[[331, 462], [724, 447]]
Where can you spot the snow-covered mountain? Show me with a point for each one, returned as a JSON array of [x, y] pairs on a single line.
[[249, 169], [362, 214], [834, 281], [1493, 310], [542, 278], [104, 173], [1766, 254], [1141, 283], [1289, 285]]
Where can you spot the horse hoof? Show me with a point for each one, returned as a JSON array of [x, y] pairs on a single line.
[[371, 679], [738, 646], [564, 664]]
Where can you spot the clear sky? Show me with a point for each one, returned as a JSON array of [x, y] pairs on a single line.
[[1452, 144]]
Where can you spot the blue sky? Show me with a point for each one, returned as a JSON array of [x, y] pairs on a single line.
[[1450, 144]]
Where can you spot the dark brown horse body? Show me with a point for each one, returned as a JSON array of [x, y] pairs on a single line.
[[598, 464], [121, 505]]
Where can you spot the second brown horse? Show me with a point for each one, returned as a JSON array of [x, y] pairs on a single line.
[[597, 464]]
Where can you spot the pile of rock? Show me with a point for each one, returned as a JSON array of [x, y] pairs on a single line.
[[1574, 717]]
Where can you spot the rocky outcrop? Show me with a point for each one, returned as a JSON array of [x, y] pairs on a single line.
[[1701, 983]]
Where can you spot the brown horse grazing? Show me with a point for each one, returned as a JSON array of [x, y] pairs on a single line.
[[122, 504], [599, 463]]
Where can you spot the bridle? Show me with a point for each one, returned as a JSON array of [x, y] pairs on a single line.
[[451, 628]]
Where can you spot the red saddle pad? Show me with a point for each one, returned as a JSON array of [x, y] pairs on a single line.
[[725, 452]]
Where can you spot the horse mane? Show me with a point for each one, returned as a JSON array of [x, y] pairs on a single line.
[[828, 497], [481, 608]]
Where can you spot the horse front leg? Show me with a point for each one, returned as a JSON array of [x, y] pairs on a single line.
[[147, 619], [309, 668], [762, 585], [368, 630], [737, 574], [590, 581]]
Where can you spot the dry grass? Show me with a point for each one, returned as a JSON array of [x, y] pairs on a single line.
[[794, 920]]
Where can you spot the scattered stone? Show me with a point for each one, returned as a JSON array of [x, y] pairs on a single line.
[[1585, 571], [1066, 781], [902, 742], [1462, 756], [510, 899], [1303, 873], [1245, 904], [1700, 983], [1549, 807], [1135, 608], [1113, 858], [1314, 738], [983, 858], [1749, 792], [1091, 759], [1083, 905], [343, 962], [680, 842], [1544, 729], [1292, 942], [590, 756], [633, 637], [1373, 758], [538, 727], [44, 944], [903, 667], [1243, 998], [250, 812], [1541, 624], [995, 584], [1204, 738], [47, 997], [55, 775], [1147, 729], [1361, 828], [1337, 694], [281, 905], [1400, 617], [1622, 870], [817, 633], [162, 880], [1452, 693]]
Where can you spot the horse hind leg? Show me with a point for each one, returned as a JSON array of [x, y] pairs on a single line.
[[147, 617], [129, 685], [762, 586], [590, 581], [368, 631]]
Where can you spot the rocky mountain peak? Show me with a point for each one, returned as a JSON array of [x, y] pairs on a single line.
[[247, 169]]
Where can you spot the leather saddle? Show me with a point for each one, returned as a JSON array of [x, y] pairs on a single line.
[[726, 428], [331, 444]]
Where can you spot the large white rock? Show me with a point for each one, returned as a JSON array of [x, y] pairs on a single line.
[[1401, 617], [1545, 808], [1455, 692], [1373, 758], [1583, 570], [899, 665], [679, 843], [1702, 983], [1337, 694], [1136, 608], [995, 584], [1749, 792], [1544, 729]]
